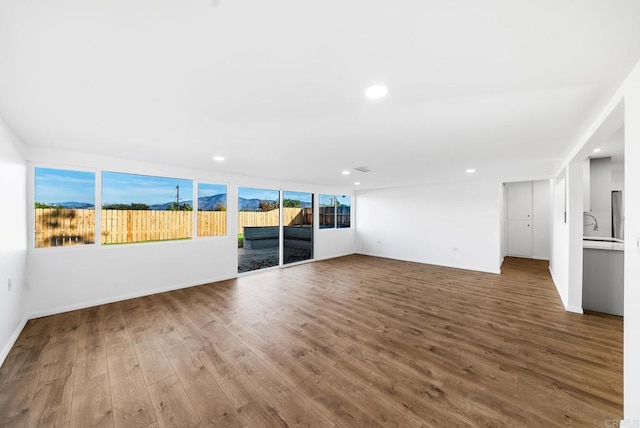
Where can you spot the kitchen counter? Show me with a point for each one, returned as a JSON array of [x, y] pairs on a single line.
[[598, 243], [603, 276]]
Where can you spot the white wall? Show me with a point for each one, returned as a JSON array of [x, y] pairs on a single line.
[[559, 260], [617, 180], [542, 219], [13, 238], [632, 251], [455, 225], [331, 243], [66, 278]]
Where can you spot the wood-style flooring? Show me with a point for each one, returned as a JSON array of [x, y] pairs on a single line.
[[353, 341]]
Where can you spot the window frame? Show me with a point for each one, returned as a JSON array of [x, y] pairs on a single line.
[[31, 197], [337, 214], [335, 211], [193, 217], [196, 198]]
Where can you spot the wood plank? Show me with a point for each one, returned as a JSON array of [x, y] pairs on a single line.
[[152, 360], [131, 404], [15, 401], [208, 399], [252, 408], [90, 363], [171, 404], [92, 404], [115, 327], [51, 405]]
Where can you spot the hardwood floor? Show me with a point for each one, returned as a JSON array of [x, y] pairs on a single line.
[[354, 341]]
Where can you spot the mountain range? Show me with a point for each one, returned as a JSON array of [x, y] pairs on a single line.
[[206, 203], [75, 205]]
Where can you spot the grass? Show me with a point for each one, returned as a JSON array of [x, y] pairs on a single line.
[[141, 242], [240, 240]]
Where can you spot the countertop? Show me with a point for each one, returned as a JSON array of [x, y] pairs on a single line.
[[598, 243]]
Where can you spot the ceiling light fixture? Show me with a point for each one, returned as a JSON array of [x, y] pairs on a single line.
[[470, 171], [597, 150], [376, 92], [218, 158], [345, 172], [357, 183]]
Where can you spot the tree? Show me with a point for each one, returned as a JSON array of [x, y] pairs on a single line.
[[126, 207], [179, 207], [292, 203], [139, 206], [220, 207], [266, 206], [43, 205]]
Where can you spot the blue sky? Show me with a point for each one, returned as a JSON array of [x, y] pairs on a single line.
[[298, 196], [262, 194], [272, 195], [209, 189], [61, 185], [344, 200], [329, 200], [118, 188]]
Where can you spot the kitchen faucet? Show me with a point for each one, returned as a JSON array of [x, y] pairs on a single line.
[[595, 221]]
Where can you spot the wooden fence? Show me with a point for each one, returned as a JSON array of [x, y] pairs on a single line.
[[63, 227], [58, 227], [335, 216], [291, 217], [125, 226]]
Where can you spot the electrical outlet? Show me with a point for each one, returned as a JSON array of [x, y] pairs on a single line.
[[9, 284]]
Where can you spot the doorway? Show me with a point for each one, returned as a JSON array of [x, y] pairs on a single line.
[[274, 228], [297, 226], [258, 228]]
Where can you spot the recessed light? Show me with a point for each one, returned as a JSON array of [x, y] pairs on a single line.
[[357, 183], [597, 150], [470, 171], [218, 158], [345, 172], [376, 92]]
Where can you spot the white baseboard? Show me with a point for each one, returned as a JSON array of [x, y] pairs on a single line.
[[12, 339], [427, 262], [575, 309], [567, 307], [335, 256], [121, 297]]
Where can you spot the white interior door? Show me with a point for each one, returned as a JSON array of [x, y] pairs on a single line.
[[520, 219], [520, 200], [519, 238]]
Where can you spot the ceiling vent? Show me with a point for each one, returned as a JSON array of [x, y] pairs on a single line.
[[363, 169]]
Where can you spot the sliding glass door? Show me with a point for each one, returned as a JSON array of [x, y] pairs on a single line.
[[297, 226], [258, 228], [259, 214]]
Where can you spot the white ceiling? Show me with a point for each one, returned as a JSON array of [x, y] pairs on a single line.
[[276, 87]]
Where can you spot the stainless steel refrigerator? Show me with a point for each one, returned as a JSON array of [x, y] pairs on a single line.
[[617, 214]]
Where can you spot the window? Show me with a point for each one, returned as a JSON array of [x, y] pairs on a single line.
[[327, 211], [142, 208], [343, 212], [335, 211], [64, 207], [212, 209]]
